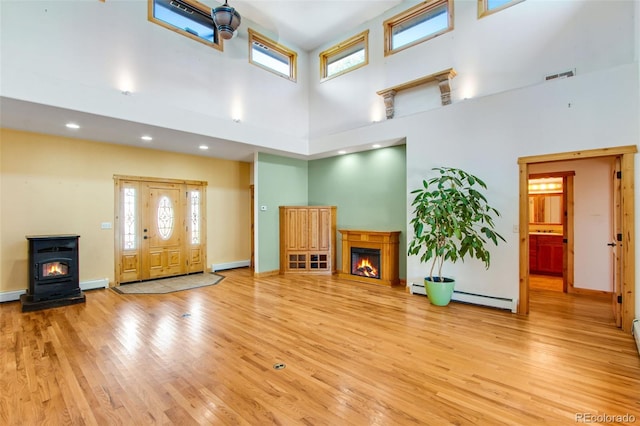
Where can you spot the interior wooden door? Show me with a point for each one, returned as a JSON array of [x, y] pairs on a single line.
[[163, 230], [616, 237]]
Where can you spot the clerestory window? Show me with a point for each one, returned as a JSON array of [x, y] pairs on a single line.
[[346, 56], [417, 25], [271, 56], [487, 7], [187, 17]]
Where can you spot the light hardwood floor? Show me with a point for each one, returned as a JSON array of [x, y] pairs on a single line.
[[355, 354], [545, 282]]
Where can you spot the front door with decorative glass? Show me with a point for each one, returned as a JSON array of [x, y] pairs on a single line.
[[159, 228]]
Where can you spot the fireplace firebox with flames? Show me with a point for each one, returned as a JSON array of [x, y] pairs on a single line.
[[370, 256], [365, 262], [54, 278]]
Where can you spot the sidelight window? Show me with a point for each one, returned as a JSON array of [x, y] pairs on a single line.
[[195, 216], [130, 225]]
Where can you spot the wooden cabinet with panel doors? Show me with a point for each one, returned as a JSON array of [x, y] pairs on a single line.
[[308, 239]]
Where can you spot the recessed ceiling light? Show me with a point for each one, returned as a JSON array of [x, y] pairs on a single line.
[[377, 145], [342, 151], [203, 147], [72, 126], [146, 138]]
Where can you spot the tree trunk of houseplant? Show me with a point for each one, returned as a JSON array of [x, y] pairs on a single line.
[[439, 290]]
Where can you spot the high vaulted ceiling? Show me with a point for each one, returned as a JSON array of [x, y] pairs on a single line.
[[310, 23], [305, 23]]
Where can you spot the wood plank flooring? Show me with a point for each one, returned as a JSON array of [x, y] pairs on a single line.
[[355, 354], [545, 282]]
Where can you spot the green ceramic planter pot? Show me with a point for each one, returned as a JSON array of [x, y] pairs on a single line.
[[440, 290]]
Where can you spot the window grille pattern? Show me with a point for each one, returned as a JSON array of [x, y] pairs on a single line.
[[195, 217], [130, 224], [165, 218]]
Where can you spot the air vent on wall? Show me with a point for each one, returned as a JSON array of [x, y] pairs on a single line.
[[565, 74]]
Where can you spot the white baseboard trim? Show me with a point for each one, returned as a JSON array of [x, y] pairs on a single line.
[[93, 284], [230, 265], [474, 299], [12, 296]]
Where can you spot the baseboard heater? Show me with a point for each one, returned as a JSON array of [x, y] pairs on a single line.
[[635, 330], [473, 298], [12, 296], [230, 265], [93, 284]]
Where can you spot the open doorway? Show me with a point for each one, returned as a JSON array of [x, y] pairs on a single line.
[[625, 156], [550, 223]]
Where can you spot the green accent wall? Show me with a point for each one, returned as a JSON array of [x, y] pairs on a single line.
[[279, 181], [370, 190]]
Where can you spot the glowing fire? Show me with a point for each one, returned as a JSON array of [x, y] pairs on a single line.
[[365, 268], [53, 269]]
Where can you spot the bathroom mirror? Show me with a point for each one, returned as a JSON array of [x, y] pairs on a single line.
[[545, 208]]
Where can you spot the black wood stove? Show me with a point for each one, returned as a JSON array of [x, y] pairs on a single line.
[[54, 278]]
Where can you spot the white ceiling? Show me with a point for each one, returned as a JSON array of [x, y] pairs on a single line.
[[311, 23], [306, 23]]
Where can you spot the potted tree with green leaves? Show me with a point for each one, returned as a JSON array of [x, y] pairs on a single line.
[[452, 220]]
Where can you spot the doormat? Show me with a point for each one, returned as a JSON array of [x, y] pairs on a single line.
[[171, 284]]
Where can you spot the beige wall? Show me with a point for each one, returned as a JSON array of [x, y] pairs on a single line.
[[56, 185]]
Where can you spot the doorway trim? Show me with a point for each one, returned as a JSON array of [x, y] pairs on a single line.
[[626, 155], [195, 256], [567, 225]]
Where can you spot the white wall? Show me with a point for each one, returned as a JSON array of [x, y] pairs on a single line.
[[487, 135], [501, 61], [514, 48], [593, 222], [81, 54]]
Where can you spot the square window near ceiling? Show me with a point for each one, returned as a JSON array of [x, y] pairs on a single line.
[[487, 7], [417, 24], [347, 56], [187, 17], [271, 56]]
